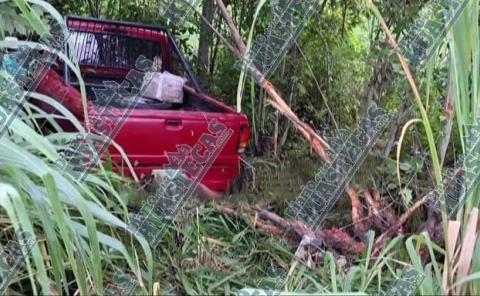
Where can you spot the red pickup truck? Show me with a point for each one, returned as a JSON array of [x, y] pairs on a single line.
[[106, 51]]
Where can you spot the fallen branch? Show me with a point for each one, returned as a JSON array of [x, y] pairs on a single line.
[[227, 211], [341, 241], [360, 227], [394, 228], [374, 211], [294, 231], [272, 229]]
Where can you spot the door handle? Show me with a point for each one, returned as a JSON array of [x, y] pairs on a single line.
[[174, 122]]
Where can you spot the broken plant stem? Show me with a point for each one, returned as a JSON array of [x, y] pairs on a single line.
[[447, 127], [233, 29], [382, 238], [315, 141]]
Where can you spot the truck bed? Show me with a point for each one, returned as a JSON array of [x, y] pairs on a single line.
[[192, 101]]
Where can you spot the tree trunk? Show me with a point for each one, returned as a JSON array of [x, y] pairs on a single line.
[[205, 40]]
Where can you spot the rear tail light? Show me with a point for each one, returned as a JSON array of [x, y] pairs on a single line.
[[244, 138]]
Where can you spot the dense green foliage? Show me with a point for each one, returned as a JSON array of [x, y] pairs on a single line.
[[338, 66]]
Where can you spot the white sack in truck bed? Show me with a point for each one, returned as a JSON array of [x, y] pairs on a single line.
[[164, 86]]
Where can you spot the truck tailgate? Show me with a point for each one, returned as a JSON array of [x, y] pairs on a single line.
[[147, 136]]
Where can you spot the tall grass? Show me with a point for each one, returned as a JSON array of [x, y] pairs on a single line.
[[460, 267], [83, 235], [464, 43], [210, 253], [80, 226]]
